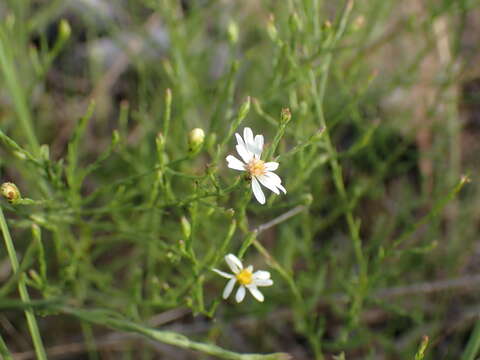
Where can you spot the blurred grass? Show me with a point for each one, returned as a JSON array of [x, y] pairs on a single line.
[[125, 222]]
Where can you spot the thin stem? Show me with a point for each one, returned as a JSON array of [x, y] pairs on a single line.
[[22, 289], [473, 345], [4, 352]]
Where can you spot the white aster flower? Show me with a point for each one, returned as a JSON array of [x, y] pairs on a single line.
[[250, 150], [245, 277]]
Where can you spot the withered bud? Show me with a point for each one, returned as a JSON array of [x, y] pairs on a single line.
[[10, 192]]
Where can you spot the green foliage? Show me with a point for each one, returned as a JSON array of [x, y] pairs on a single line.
[[127, 209]]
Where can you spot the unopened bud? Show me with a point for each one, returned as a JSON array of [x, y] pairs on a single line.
[[115, 138], [45, 152], [196, 137], [271, 28], [307, 199], [285, 116], [232, 31], [358, 22], [10, 192], [295, 22], [186, 227], [64, 29], [160, 142], [423, 347]]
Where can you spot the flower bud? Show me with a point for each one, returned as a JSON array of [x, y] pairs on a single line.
[[10, 192], [186, 227], [271, 28], [45, 152], [307, 199], [359, 22], [196, 137], [285, 116], [232, 31], [64, 29], [327, 26], [295, 22]]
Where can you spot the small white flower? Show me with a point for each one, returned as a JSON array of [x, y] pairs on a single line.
[[250, 150], [245, 278]]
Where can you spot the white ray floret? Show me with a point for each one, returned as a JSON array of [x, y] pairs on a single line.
[[250, 148], [245, 277]]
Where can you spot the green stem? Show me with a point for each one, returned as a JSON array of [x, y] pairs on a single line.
[[167, 337], [22, 289], [473, 345], [4, 352], [318, 93]]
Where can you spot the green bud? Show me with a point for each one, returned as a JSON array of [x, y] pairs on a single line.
[[295, 22], [230, 212], [307, 199], [45, 152], [327, 25], [232, 31], [196, 137], [358, 23], [115, 137], [285, 116], [423, 347], [160, 142], [271, 28], [64, 30], [10, 192], [186, 227]]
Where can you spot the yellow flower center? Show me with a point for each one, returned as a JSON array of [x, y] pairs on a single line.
[[244, 277], [256, 167]]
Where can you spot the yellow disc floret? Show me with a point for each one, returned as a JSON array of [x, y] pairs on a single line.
[[244, 277], [256, 167]]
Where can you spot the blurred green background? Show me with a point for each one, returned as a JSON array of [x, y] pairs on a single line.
[[373, 248]]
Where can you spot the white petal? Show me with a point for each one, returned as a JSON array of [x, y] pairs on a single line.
[[274, 178], [240, 295], [259, 142], [257, 191], [280, 186], [248, 136], [228, 288], [268, 183], [261, 275], [224, 274], [234, 163], [234, 263], [266, 282], [271, 166], [256, 293], [239, 139], [244, 153]]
